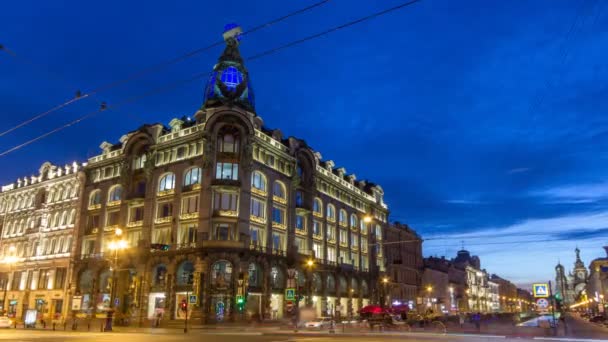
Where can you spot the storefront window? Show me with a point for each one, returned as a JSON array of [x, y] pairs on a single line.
[[277, 278], [221, 275], [185, 273], [254, 275]]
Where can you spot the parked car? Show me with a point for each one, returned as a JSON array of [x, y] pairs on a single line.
[[5, 322], [597, 319], [319, 323]]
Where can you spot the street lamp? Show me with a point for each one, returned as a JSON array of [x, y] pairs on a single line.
[[310, 263], [10, 260], [115, 245], [367, 219]]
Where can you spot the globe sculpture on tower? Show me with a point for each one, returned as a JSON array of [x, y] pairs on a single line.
[[229, 83]]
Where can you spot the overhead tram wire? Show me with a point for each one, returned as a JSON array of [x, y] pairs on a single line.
[[150, 69], [200, 75]]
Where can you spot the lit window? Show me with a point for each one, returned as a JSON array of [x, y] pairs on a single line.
[[227, 171], [301, 223], [258, 181], [342, 217], [316, 228], [317, 248], [95, 197], [193, 176], [331, 212], [167, 182], [353, 220], [225, 201], [164, 209], [317, 206], [190, 205], [278, 190], [228, 143], [278, 215], [331, 254], [115, 193], [258, 208], [223, 232]]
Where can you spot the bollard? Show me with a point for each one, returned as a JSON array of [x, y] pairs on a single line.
[[101, 327], [53, 326], [65, 324], [89, 326]]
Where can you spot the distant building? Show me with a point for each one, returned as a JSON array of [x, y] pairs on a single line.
[[38, 219], [570, 286], [404, 263], [478, 293], [507, 292], [597, 285]]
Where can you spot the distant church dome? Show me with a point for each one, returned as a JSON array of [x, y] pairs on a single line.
[[229, 83]]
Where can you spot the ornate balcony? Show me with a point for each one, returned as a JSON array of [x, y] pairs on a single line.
[[256, 219], [114, 203], [161, 220], [135, 224], [258, 192], [280, 200], [94, 206], [188, 216], [166, 193], [225, 213]]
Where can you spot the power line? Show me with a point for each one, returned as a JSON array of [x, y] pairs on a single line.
[[200, 75], [150, 69]]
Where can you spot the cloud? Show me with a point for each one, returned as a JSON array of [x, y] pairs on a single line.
[[518, 170], [580, 193]]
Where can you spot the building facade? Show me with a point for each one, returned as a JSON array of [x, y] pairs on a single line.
[[404, 263], [195, 219], [597, 286], [507, 292], [38, 220]]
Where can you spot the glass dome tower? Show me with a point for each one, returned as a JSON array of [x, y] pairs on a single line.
[[229, 83]]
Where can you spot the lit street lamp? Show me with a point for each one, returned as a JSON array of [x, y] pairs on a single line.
[[115, 245]]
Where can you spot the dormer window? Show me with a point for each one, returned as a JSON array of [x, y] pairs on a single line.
[[139, 162], [228, 143]]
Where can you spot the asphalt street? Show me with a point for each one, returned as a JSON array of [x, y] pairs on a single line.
[[44, 336]]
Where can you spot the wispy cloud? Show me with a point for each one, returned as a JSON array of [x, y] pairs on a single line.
[[578, 193], [518, 170]]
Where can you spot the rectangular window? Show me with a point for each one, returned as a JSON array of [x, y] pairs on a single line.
[[88, 247], [227, 171], [343, 237], [301, 245], [60, 273], [133, 237], [378, 232], [190, 205], [161, 235], [278, 240], [364, 263], [43, 279], [301, 223], [316, 228], [363, 245], [258, 208], [186, 234], [331, 233], [344, 257], [278, 215], [270, 160], [164, 209], [354, 241], [225, 201], [112, 218], [93, 222], [331, 254], [223, 232], [363, 227], [317, 248], [136, 214], [256, 237]]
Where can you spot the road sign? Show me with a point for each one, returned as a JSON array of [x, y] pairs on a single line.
[[76, 303], [192, 299], [542, 303], [540, 290], [289, 306], [290, 294]]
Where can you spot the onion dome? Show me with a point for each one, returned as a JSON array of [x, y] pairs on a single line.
[[229, 83]]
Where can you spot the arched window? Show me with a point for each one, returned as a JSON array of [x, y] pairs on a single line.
[[353, 220], [64, 219], [14, 228], [317, 206], [278, 190], [193, 176], [95, 197], [67, 192], [317, 283], [221, 274], [115, 193], [342, 285], [105, 285], [167, 182], [21, 227], [331, 283], [364, 288], [72, 216], [85, 282], [59, 247], [55, 222], [342, 217], [185, 273], [139, 162], [258, 181], [331, 212], [354, 286], [51, 247], [58, 194], [228, 143]]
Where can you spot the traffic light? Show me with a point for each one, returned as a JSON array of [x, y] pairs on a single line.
[[183, 305], [240, 303], [159, 247]]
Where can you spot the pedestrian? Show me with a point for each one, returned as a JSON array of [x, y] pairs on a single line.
[[477, 319], [461, 320]]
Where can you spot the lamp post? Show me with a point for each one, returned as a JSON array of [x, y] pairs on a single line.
[[115, 245], [429, 290], [310, 263], [185, 279], [10, 260], [385, 281]]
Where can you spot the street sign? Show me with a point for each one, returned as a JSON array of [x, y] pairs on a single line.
[[76, 303], [542, 304], [192, 299], [540, 290], [290, 294]]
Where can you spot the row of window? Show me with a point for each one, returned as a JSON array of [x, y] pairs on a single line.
[[41, 279], [55, 194], [56, 220], [49, 246]]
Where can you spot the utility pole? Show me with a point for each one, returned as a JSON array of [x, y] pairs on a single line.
[[553, 323]]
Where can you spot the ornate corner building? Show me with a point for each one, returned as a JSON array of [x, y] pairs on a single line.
[[38, 219], [213, 212], [571, 286]]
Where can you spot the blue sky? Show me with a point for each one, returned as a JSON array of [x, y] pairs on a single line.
[[483, 121]]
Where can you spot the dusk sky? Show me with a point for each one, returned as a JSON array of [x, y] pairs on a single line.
[[484, 121]]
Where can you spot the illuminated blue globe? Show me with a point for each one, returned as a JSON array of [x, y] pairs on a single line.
[[231, 77]]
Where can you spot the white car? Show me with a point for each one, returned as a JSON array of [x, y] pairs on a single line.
[[5, 322], [319, 323]]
